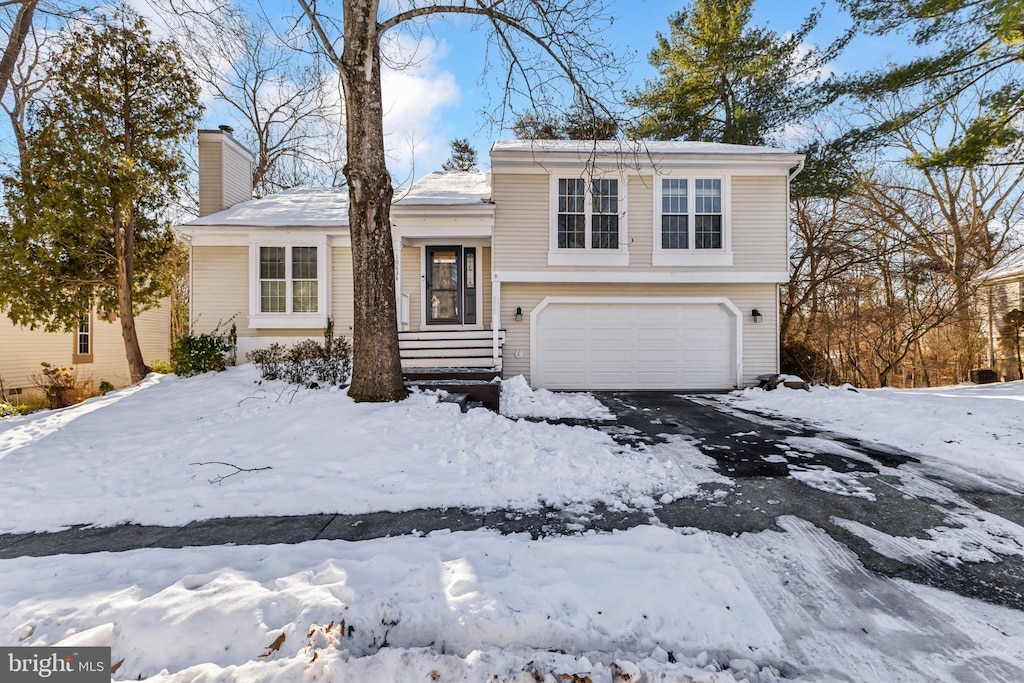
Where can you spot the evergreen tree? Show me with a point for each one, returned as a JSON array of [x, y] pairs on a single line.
[[582, 121], [86, 227], [722, 80], [975, 44], [463, 157]]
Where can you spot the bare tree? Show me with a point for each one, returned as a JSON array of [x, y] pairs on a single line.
[[535, 40], [289, 106]]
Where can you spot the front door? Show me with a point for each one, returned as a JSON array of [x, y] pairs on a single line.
[[451, 285]]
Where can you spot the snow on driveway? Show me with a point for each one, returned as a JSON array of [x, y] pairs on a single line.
[[977, 428], [137, 457]]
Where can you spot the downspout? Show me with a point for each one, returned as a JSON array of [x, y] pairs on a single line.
[[778, 288]]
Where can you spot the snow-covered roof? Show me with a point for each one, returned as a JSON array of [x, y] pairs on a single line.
[[453, 188], [1009, 268], [314, 207], [632, 147]]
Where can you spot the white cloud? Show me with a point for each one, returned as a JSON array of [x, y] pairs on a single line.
[[415, 93]]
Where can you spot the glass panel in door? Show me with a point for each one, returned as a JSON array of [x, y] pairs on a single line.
[[444, 292]]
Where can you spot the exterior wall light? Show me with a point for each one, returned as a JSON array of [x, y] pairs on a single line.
[[519, 313], [756, 315]]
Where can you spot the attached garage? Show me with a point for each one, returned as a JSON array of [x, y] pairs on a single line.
[[635, 343]]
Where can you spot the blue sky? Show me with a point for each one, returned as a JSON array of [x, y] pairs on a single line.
[[441, 98]]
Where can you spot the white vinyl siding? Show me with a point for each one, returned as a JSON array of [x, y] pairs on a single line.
[[757, 220]]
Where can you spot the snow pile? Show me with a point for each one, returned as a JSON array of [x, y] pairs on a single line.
[[519, 400], [465, 605], [148, 456], [976, 427], [659, 604]]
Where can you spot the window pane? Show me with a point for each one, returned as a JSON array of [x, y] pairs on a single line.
[[605, 196], [673, 195], [673, 232], [708, 232], [708, 196], [83, 336], [303, 263], [271, 263], [272, 296], [570, 195], [304, 296], [606, 232], [571, 231]]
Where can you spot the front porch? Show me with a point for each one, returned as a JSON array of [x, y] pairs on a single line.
[[465, 363]]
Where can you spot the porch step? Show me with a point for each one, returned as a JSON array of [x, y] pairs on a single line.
[[449, 348], [486, 392], [413, 375]]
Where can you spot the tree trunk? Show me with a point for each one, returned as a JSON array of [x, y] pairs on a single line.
[[124, 247], [15, 41], [376, 365]]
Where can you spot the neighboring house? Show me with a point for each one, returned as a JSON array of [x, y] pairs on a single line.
[[1001, 291], [96, 349], [580, 265]]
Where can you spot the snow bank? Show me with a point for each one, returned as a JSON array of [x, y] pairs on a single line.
[[465, 605], [148, 456], [976, 427], [519, 400]]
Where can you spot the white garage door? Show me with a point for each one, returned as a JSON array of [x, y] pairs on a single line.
[[634, 346]]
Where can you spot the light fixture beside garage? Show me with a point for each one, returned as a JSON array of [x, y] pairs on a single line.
[[519, 313], [756, 315]]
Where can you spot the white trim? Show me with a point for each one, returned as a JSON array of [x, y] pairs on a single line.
[[588, 256], [496, 322], [260, 320], [680, 277], [641, 300], [691, 256]]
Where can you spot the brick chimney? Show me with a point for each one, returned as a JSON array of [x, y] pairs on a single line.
[[225, 171]]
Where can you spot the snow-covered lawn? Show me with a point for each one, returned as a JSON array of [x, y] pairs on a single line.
[[134, 456], [978, 428]]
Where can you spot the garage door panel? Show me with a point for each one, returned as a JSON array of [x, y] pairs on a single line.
[[635, 346]]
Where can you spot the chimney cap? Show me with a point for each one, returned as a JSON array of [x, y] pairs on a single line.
[[227, 129]]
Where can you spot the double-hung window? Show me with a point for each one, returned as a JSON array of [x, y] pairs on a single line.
[[289, 285], [83, 340], [691, 224], [588, 226]]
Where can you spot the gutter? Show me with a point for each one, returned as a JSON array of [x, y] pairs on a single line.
[[796, 172]]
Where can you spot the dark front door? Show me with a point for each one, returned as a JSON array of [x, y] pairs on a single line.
[[444, 285]]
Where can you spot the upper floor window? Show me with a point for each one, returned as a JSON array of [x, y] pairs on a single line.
[[289, 283], [691, 224], [589, 222]]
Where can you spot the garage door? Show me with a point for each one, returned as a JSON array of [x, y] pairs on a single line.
[[634, 346]]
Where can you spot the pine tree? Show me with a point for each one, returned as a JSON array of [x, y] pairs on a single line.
[[973, 47], [582, 121], [463, 157], [722, 80], [86, 225]]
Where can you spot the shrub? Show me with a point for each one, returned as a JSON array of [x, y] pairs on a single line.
[[10, 410], [106, 387], [161, 366], [194, 354], [62, 385], [308, 362]]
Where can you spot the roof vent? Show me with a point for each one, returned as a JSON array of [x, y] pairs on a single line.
[[227, 129]]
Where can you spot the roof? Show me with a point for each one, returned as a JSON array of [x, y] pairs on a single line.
[[1013, 266], [314, 207], [454, 188], [633, 147]]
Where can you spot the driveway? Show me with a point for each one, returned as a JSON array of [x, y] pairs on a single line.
[[902, 515]]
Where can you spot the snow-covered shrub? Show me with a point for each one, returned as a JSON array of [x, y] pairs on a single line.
[[194, 354], [10, 410], [308, 362]]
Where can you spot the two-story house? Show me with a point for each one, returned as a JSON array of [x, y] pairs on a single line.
[[580, 265]]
